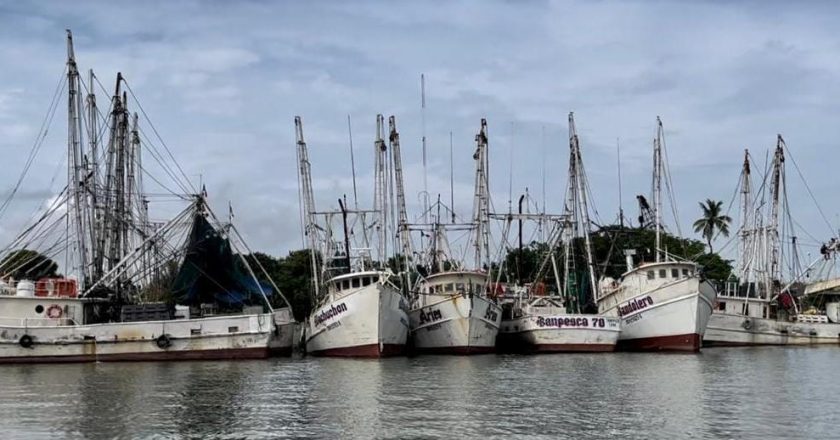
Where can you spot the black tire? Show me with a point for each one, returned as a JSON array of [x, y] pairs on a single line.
[[163, 341], [26, 341]]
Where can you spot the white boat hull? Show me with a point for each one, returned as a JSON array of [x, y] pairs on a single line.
[[670, 317], [736, 330], [368, 322], [560, 333], [224, 337], [282, 340], [455, 324]]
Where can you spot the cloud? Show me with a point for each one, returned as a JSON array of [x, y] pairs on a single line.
[[223, 81]]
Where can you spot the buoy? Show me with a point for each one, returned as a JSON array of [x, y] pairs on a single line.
[[163, 341], [54, 311], [747, 324]]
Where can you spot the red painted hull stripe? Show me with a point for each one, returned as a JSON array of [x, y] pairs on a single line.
[[688, 343]]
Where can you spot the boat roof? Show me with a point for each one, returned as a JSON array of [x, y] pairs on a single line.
[[350, 275], [447, 275], [654, 265], [823, 286]]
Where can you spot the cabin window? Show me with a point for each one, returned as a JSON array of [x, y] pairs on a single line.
[[675, 273], [366, 281], [345, 284], [459, 287], [356, 282], [374, 279], [651, 275], [663, 273], [743, 309], [722, 306], [685, 273], [449, 287]]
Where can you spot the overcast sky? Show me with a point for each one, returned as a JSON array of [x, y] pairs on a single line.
[[222, 82]]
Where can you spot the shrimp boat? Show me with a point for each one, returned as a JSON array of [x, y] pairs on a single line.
[[758, 308], [552, 322], [451, 309], [544, 325], [663, 305], [454, 315], [360, 310], [132, 291]]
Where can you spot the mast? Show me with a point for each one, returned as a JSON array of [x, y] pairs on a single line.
[[451, 179], [746, 203], [402, 226], [94, 186], [352, 163], [346, 233], [423, 127], [519, 233], [618, 161], [75, 171], [580, 185], [380, 190], [307, 201], [118, 246], [657, 187], [133, 148], [776, 183], [481, 202]]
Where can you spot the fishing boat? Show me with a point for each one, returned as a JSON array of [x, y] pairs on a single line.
[[360, 310], [451, 309], [133, 289], [539, 319], [757, 307], [663, 305], [454, 315]]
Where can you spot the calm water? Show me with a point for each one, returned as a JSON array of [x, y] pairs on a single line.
[[722, 393]]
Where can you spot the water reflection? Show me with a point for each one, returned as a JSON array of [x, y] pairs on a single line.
[[728, 393]]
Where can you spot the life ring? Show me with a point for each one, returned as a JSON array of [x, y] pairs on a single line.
[[54, 311], [163, 341], [25, 341], [747, 324]]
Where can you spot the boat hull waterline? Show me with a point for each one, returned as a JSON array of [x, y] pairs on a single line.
[[455, 324], [573, 333], [738, 330], [217, 338], [368, 322], [670, 317]]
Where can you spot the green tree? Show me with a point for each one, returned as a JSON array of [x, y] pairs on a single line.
[[712, 220], [292, 274], [28, 264]]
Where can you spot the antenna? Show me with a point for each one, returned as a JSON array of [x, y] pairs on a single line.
[[510, 167], [352, 162], [543, 169], [451, 180], [618, 161], [423, 122]]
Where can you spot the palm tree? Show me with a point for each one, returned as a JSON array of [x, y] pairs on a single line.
[[712, 220]]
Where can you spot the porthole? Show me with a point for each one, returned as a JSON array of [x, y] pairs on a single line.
[[39, 309]]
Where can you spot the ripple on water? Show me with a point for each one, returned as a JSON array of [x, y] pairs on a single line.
[[721, 393]]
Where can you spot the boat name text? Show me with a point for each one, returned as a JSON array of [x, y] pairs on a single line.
[[330, 313], [635, 305], [432, 316]]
